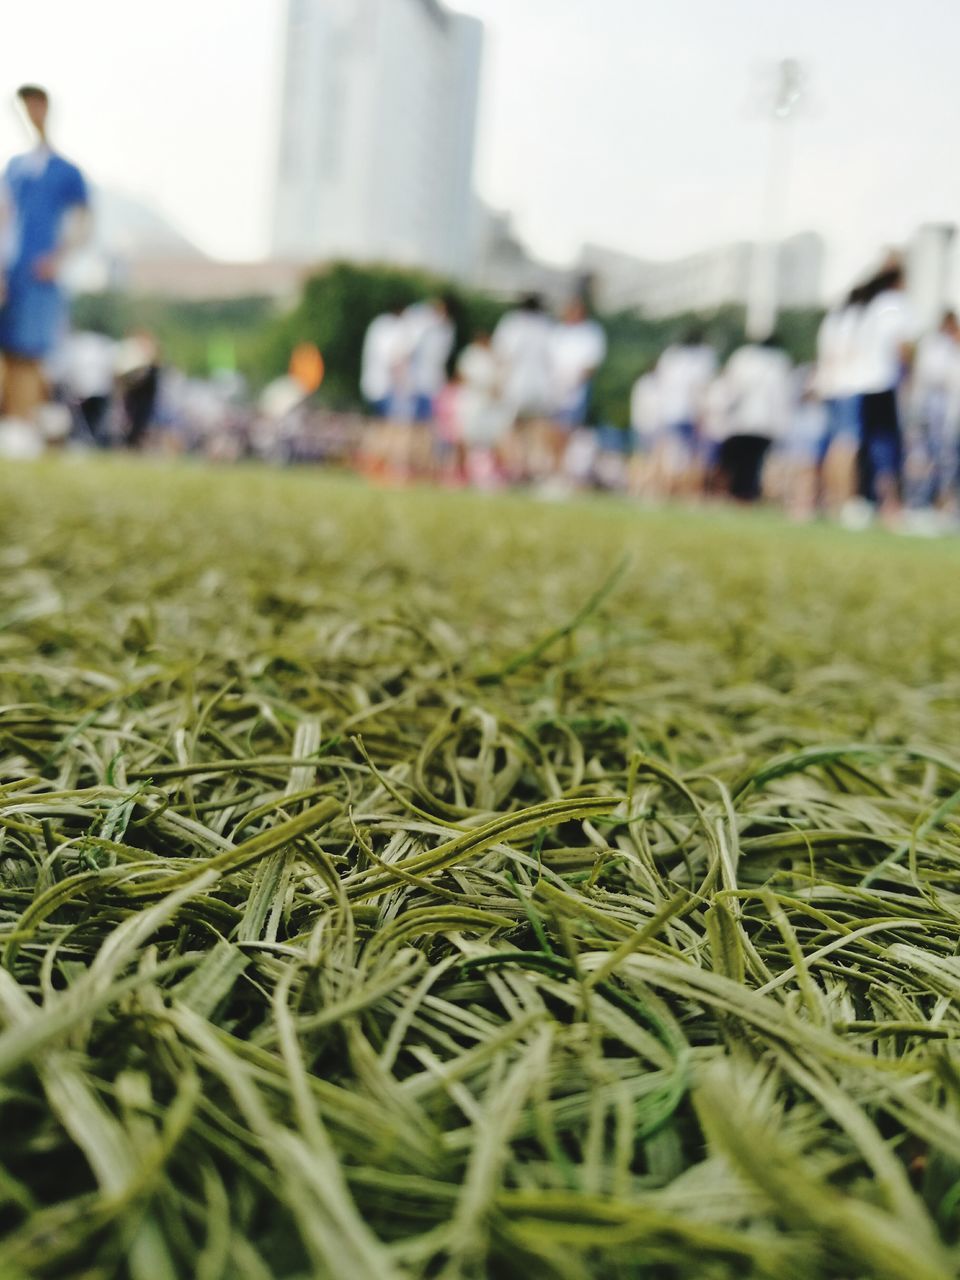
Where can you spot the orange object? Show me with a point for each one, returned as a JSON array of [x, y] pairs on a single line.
[[306, 366]]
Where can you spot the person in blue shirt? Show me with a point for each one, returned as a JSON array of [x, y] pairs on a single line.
[[44, 206]]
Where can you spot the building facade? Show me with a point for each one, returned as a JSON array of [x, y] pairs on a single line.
[[930, 271], [504, 267], [704, 281], [378, 122]]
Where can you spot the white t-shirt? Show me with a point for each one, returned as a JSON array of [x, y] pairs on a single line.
[[847, 357], [382, 353], [427, 343], [576, 350], [838, 353], [522, 343], [645, 408], [937, 354], [478, 369], [683, 373], [133, 355], [886, 325], [935, 382], [760, 392], [483, 418], [715, 412], [87, 364], [830, 353]]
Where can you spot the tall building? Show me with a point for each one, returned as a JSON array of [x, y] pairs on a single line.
[[377, 133]]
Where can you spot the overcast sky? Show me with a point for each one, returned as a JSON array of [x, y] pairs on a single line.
[[636, 124]]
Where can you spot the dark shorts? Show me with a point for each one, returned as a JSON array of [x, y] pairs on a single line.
[[685, 433], [573, 412], [843, 425], [882, 448], [409, 408], [33, 315], [741, 461], [710, 452], [380, 408], [422, 409]]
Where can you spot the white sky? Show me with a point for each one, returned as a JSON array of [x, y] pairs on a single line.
[[630, 123]]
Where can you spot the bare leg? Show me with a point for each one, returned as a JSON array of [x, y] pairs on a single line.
[[838, 476], [888, 497]]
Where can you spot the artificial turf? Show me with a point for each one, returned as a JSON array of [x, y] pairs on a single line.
[[413, 884]]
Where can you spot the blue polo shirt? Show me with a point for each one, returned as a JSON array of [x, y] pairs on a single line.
[[40, 190]]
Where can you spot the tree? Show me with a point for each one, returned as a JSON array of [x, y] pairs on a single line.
[[337, 306]]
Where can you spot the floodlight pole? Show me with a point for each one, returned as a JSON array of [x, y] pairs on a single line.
[[762, 299]]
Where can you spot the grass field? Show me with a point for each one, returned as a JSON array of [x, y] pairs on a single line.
[[426, 885]]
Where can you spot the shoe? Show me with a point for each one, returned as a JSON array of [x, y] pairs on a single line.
[[857, 514], [19, 441]]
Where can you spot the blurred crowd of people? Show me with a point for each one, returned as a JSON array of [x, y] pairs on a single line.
[[56, 385], [871, 427], [44, 214], [505, 410]]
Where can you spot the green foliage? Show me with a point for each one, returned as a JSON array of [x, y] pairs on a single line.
[[111, 313], [798, 333], [189, 332], [335, 309]]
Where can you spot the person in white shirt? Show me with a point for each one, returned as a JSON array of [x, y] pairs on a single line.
[[758, 386], [800, 450], [645, 413], [427, 343], [715, 429], [382, 368], [86, 374], [380, 362], [885, 346], [935, 411], [644, 426], [828, 351], [684, 371], [483, 415], [837, 384], [522, 345], [578, 347]]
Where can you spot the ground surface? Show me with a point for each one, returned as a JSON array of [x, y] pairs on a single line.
[[401, 885]]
